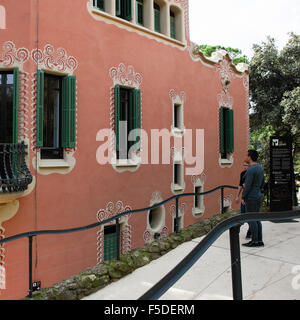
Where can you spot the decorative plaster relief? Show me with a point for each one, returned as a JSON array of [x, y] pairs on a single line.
[[110, 211], [128, 78], [60, 63]]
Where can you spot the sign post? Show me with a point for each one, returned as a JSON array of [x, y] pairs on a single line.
[[281, 174]]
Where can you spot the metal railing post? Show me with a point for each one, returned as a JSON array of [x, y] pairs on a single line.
[[236, 273], [222, 200], [30, 266], [177, 213], [118, 238]]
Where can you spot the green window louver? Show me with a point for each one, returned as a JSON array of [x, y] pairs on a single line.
[[40, 108], [15, 105], [69, 112], [172, 25], [229, 133], [99, 4], [135, 119], [226, 127], [140, 12], [124, 9], [117, 106], [157, 18], [110, 243]]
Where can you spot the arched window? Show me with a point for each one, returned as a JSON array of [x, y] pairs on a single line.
[[172, 25], [140, 12], [157, 27], [176, 23]]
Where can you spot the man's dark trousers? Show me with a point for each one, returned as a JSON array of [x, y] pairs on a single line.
[[253, 205]]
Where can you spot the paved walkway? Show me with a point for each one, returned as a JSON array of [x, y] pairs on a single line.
[[271, 272]]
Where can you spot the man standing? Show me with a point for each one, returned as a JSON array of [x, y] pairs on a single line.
[[252, 196]]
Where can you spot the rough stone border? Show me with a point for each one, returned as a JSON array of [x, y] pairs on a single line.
[[95, 278]]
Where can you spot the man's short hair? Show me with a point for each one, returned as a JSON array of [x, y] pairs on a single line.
[[253, 154]]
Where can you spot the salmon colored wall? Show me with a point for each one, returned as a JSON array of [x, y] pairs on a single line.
[[70, 200]]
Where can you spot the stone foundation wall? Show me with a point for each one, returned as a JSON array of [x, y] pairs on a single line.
[[99, 276]]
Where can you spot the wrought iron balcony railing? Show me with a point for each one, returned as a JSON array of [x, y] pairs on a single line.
[[14, 173]]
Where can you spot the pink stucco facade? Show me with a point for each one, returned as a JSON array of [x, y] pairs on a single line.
[[71, 38]]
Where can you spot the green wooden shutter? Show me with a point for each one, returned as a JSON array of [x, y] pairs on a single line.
[[118, 8], [138, 116], [117, 114], [221, 130], [135, 118], [140, 12], [172, 27], [100, 4], [69, 112], [40, 108], [128, 10], [15, 105], [156, 20], [110, 246], [229, 130]]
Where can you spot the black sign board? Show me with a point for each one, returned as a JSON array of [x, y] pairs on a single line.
[[281, 174]]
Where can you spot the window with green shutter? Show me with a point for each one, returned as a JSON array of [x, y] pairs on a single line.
[[99, 4], [172, 25], [226, 127], [140, 12], [157, 18], [9, 104], [124, 9], [111, 239], [56, 114], [127, 117]]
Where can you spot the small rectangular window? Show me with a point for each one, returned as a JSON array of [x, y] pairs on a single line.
[[198, 198], [178, 116], [226, 127], [110, 242]]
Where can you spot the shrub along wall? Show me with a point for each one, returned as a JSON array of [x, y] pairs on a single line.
[[99, 276]]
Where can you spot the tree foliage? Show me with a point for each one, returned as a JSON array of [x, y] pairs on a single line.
[[275, 89]]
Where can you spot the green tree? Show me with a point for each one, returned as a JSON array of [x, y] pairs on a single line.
[[275, 94]]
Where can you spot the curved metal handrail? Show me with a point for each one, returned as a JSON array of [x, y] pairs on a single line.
[[120, 215], [182, 267], [32, 234]]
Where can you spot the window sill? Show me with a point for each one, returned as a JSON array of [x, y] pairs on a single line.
[[198, 212], [177, 131], [55, 163], [177, 188], [127, 163], [108, 17], [226, 163]]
